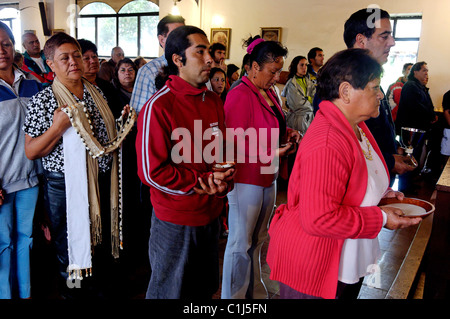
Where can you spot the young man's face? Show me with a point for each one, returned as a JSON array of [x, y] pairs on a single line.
[[197, 66], [381, 41], [318, 60], [219, 56]]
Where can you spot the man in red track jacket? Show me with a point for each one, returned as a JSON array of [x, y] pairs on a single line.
[[175, 130]]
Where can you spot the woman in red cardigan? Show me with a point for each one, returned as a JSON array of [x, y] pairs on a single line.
[[254, 107], [328, 230]]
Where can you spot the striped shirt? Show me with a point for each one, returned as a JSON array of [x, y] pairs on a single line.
[[144, 86]]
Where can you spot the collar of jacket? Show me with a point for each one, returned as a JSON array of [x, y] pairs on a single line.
[[180, 86], [270, 93], [419, 84], [27, 56]]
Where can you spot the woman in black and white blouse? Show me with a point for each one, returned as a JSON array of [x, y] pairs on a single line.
[[78, 185]]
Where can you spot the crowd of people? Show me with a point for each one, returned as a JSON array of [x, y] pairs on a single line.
[[132, 161]]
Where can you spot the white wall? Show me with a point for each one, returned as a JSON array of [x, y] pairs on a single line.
[[305, 23], [310, 23]]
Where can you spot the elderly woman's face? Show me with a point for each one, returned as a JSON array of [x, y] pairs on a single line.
[[67, 63], [126, 74], [91, 64], [366, 103], [267, 74], [6, 51]]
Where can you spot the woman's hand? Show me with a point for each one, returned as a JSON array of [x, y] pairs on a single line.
[[61, 121], [287, 149], [394, 194], [125, 112], [294, 136], [396, 220]]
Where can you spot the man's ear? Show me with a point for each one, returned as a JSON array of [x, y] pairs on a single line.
[[360, 41], [162, 40], [177, 60]]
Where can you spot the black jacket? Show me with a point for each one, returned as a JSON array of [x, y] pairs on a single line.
[[415, 109], [383, 130]]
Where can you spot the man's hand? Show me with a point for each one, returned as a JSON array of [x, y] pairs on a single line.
[[401, 165], [217, 183]]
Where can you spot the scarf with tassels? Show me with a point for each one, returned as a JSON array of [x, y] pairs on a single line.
[[94, 149]]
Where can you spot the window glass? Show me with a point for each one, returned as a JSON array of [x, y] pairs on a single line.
[[121, 29], [403, 51], [408, 28], [11, 17], [97, 8], [149, 41], [106, 36], [139, 6], [86, 29], [128, 35]]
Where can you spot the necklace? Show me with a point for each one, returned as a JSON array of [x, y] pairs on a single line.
[[367, 155]]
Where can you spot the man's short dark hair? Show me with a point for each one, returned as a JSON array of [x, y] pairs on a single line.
[[415, 67], [405, 66], [177, 43], [87, 45], [355, 66], [162, 28], [216, 46], [361, 22], [312, 53]]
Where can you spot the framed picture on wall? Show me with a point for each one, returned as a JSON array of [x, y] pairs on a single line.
[[222, 35], [271, 34]]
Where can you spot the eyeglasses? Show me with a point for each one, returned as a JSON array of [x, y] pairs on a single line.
[[217, 80]]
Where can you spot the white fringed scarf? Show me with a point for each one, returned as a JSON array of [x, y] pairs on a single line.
[[81, 177]]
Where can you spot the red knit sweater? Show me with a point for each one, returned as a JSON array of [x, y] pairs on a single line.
[[326, 188]]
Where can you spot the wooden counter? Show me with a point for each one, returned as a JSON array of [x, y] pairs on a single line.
[[437, 261]]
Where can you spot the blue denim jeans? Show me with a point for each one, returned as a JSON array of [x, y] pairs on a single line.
[[250, 209], [184, 260], [16, 228]]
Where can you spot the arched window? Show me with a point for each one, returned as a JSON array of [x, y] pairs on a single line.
[[133, 28], [11, 17]]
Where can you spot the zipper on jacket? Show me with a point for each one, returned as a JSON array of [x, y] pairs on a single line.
[[203, 96]]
